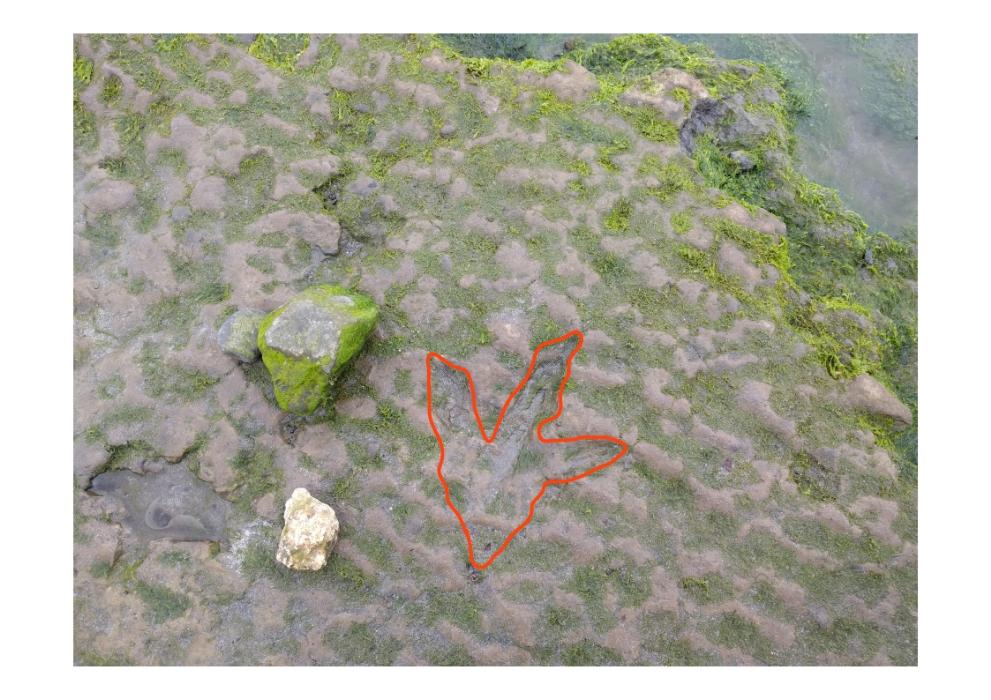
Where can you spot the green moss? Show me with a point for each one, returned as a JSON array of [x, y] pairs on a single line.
[[348, 577], [618, 218], [83, 124], [127, 455], [174, 557], [672, 176], [302, 385], [276, 239], [559, 618], [100, 569], [702, 265], [170, 380], [684, 97], [720, 171], [536, 555], [378, 550], [650, 124], [262, 263], [103, 233], [127, 415], [841, 331], [360, 646], [163, 604], [113, 88], [82, 70], [849, 637], [736, 631], [403, 382], [589, 653], [460, 607], [457, 656], [608, 151], [92, 658], [279, 51], [640, 54], [681, 222], [707, 589], [256, 474]]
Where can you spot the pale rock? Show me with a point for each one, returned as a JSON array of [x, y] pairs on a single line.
[[238, 336], [310, 532], [868, 394]]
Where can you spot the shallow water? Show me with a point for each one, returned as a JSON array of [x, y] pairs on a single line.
[[170, 504], [860, 133]]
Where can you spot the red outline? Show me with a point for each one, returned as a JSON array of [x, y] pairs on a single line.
[[495, 431]]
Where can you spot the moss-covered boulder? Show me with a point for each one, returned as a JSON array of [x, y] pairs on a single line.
[[307, 341]]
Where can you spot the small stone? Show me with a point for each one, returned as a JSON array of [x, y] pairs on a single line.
[[743, 160], [448, 130], [310, 532], [307, 342], [239, 334]]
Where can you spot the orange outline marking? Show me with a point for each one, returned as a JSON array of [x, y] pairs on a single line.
[[495, 431]]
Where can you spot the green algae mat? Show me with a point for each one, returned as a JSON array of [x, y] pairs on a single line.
[[744, 333]]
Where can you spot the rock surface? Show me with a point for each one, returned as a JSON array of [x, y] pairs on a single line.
[[868, 394], [310, 532], [306, 342], [239, 334], [167, 504], [759, 519]]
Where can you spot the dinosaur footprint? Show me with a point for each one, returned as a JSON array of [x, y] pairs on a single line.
[[493, 478]]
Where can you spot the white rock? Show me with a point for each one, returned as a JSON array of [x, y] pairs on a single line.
[[310, 532]]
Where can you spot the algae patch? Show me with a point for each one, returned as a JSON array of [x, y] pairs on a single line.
[[307, 342]]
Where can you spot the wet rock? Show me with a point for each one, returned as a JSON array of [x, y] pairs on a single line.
[[208, 194], [108, 196], [363, 186], [310, 532], [573, 84], [671, 92], [728, 122], [306, 343], [239, 334], [868, 394], [316, 229], [815, 478], [170, 504], [102, 543], [743, 160]]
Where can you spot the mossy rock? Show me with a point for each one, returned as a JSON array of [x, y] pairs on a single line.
[[238, 336], [306, 342]]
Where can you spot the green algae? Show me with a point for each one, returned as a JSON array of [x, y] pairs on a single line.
[[360, 646], [253, 468], [279, 51], [302, 384], [162, 603]]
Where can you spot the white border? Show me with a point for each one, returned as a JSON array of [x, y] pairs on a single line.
[[37, 276]]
